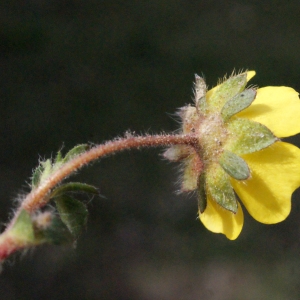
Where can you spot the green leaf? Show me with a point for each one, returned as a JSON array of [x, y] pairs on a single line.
[[202, 200], [77, 150], [36, 177], [58, 157], [238, 103], [246, 136], [228, 89], [57, 233], [41, 173], [73, 213], [47, 169], [23, 228], [234, 165], [74, 187], [220, 189]]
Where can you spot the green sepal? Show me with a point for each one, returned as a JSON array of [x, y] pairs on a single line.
[[22, 229], [202, 200], [246, 136], [73, 214], [74, 187], [56, 233], [189, 117], [226, 90], [36, 176], [200, 92], [46, 170], [220, 189], [234, 165], [238, 103], [192, 169], [58, 157], [77, 150]]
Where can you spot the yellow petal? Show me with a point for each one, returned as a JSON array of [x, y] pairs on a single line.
[[250, 74], [219, 220], [278, 108], [275, 174]]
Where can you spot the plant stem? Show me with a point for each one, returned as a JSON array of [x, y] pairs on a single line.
[[38, 197]]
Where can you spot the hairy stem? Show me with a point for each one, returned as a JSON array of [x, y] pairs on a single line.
[[38, 197]]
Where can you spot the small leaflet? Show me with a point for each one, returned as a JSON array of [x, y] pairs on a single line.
[[77, 150], [73, 213], [74, 187]]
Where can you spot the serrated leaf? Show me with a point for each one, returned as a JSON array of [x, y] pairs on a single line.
[[58, 157], [23, 228], [47, 169], [77, 150], [73, 214], [246, 136], [237, 103], [226, 90], [234, 165], [74, 187], [202, 200], [36, 176], [220, 189]]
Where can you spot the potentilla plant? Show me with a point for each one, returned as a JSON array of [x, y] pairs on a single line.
[[230, 149]]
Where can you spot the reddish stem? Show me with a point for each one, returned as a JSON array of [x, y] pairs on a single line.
[[39, 197], [8, 245]]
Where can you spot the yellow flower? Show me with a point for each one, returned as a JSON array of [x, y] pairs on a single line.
[[239, 150]]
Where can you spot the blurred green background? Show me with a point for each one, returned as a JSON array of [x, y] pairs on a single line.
[[86, 71]]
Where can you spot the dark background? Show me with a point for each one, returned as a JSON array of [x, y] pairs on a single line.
[[87, 71]]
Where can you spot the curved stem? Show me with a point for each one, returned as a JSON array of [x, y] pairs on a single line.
[[38, 197]]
